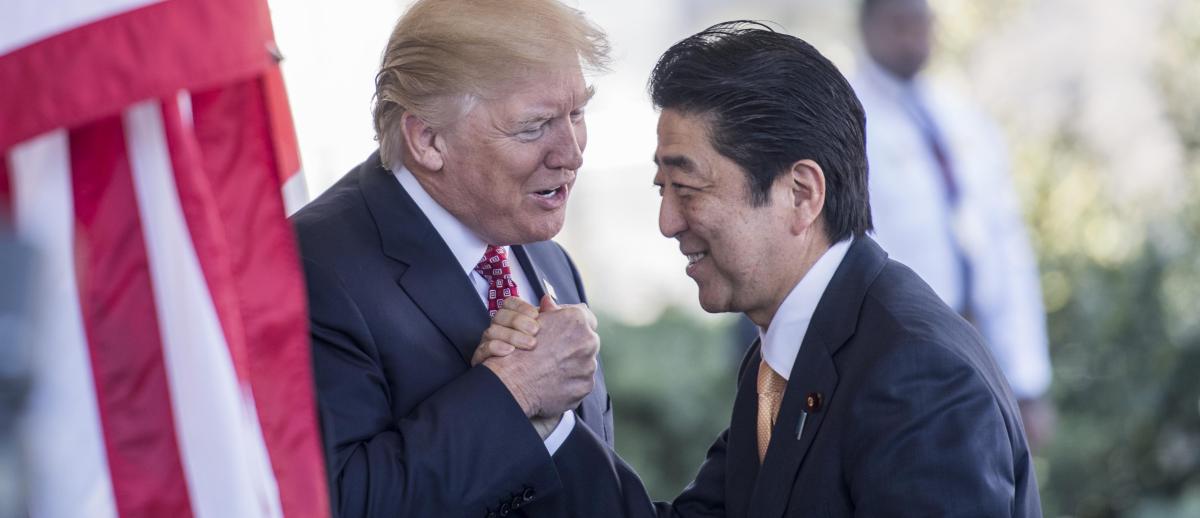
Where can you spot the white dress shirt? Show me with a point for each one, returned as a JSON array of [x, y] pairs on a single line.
[[918, 226], [468, 249], [782, 338]]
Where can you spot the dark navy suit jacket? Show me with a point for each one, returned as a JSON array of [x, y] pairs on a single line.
[[904, 412], [411, 429]]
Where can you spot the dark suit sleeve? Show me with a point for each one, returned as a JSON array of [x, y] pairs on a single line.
[[599, 484], [465, 450], [928, 439]]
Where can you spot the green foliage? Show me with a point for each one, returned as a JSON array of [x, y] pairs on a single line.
[[1124, 328]]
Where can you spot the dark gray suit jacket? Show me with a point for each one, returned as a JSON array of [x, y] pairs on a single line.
[[410, 427], [910, 416]]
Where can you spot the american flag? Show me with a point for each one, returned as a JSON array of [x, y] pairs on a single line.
[[148, 157]]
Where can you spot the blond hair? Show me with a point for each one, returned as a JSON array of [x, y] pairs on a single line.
[[445, 54]]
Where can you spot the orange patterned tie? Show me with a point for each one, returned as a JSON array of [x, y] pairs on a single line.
[[770, 394]]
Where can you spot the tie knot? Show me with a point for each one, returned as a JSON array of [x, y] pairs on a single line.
[[494, 265], [769, 381], [496, 272]]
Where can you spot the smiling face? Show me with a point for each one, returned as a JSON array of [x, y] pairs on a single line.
[[743, 258], [509, 164]]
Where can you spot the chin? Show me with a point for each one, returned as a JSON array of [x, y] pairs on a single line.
[[712, 304], [542, 229]]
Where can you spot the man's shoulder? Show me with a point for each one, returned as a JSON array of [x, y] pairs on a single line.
[[335, 220], [902, 311], [905, 327], [343, 195]]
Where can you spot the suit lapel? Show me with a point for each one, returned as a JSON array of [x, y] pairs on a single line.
[[742, 452], [813, 373], [532, 272], [432, 277]]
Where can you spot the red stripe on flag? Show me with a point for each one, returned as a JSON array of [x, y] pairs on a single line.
[[283, 132], [117, 301], [6, 196], [235, 140], [93, 71], [207, 232]]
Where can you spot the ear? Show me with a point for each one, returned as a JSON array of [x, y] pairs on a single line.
[[806, 181], [423, 142]]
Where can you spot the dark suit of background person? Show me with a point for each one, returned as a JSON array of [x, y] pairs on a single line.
[[394, 325], [893, 406]]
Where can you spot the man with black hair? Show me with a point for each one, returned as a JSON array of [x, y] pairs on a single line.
[[865, 394]]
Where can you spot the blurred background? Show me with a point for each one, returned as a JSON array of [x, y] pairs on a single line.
[[1098, 103]]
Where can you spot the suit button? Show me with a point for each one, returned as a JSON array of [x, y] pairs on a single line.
[[504, 508], [491, 514], [527, 495], [516, 502]]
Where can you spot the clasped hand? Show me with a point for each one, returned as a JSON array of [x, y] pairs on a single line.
[[545, 355]]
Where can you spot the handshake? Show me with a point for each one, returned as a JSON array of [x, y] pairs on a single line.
[[545, 356]]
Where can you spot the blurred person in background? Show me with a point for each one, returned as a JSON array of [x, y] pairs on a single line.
[[16, 265], [944, 203], [479, 113], [865, 394]]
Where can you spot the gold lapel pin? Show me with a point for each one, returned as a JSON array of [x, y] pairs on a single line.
[[812, 403]]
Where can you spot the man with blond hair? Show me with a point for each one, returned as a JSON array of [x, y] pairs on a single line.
[[408, 258]]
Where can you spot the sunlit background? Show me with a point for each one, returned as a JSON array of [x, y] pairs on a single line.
[[1099, 102]]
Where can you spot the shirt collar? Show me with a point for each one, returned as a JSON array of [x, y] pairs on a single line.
[[781, 341], [467, 248]]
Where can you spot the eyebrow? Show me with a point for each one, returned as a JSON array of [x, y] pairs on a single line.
[[676, 161], [545, 116], [588, 93]]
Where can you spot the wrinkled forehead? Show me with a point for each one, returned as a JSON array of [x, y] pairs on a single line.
[[560, 84], [542, 95], [682, 130]]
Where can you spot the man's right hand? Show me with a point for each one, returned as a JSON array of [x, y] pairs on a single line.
[[559, 372]]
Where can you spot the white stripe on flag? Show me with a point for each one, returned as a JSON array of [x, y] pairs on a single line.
[[224, 456], [26, 21], [67, 464], [295, 193]]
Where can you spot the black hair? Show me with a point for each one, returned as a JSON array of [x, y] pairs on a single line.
[[772, 100]]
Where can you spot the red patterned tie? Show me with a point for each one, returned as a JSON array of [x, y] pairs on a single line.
[[494, 269]]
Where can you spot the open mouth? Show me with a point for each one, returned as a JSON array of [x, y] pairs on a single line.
[[551, 199], [696, 257], [550, 193]]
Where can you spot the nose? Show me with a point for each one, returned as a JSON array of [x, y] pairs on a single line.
[[670, 219], [567, 150]]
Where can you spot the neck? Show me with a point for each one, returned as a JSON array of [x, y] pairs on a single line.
[[434, 185], [800, 263]]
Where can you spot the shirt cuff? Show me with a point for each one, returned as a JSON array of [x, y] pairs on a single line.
[[560, 433]]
